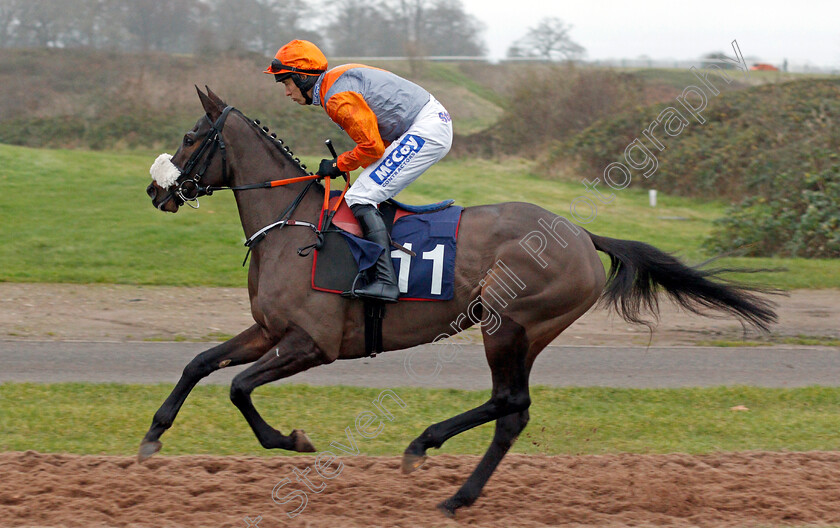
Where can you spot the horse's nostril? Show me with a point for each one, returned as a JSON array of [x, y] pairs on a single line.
[[151, 191]]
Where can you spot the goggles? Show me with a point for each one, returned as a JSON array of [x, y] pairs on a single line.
[[278, 67]]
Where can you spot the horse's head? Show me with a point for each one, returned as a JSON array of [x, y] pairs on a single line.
[[198, 164]]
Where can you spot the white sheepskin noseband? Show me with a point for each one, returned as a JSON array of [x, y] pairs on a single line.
[[164, 172]]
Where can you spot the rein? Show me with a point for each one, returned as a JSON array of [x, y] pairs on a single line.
[[327, 212], [190, 189]]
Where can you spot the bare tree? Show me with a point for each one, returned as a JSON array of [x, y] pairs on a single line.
[[280, 21], [110, 25], [89, 23], [361, 28], [229, 24], [449, 30], [548, 40], [10, 14], [436, 27], [410, 17], [415, 28], [160, 25], [40, 21], [63, 23], [256, 25]]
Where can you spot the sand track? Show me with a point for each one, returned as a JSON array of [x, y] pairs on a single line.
[[729, 489], [720, 490], [104, 312]]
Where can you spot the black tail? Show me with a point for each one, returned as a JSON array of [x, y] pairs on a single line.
[[639, 270]]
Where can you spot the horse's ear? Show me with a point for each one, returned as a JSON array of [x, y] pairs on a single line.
[[210, 106], [214, 97]]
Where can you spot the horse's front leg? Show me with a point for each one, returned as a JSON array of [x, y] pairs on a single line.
[[295, 353], [248, 346]]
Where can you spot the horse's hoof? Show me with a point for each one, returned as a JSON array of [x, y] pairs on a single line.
[[446, 509], [302, 442], [147, 449], [411, 462]]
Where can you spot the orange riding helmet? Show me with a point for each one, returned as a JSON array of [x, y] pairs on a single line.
[[297, 58], [302, 61]]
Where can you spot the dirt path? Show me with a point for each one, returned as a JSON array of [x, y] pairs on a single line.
[[131, 313], [721, 490]]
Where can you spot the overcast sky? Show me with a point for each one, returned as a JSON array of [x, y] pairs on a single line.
[[802, 31]]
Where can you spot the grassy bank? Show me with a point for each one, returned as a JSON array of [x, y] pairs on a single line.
[[112, 419], [83, 217], [88, 99]]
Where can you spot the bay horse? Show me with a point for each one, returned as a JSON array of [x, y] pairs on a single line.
[[297, 328]]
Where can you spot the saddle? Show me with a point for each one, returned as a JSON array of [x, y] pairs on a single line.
[[344, 255], [391, 211], [423, 254]]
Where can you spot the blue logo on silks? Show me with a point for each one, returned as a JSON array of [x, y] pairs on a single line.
[[397, 159]]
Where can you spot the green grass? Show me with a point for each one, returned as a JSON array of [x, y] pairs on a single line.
[[83, 217], [727, 343], [112, 419], [679, 78], [89, 100], [802, 340], [212, 337]]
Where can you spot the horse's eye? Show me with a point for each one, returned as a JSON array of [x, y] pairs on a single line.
[[188, 141]]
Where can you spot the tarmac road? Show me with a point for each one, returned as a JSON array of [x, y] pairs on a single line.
[[430, 366]]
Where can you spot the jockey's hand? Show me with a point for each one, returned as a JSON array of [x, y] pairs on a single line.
[[329, 167]]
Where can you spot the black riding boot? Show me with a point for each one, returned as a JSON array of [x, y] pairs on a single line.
[[384, 286]]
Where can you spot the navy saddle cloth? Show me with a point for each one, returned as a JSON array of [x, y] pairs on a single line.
[[429, 231]]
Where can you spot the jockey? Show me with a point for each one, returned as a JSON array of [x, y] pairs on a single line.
[[400, 130]]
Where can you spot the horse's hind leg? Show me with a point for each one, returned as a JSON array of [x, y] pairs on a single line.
[[507, 430], [244, 348], [296, 352], [506, 351]]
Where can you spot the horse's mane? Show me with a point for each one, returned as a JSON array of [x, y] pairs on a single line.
[[278, 142]]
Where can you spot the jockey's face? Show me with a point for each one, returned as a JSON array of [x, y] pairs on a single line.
[[294, 92]]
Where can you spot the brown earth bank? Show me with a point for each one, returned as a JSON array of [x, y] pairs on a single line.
[[717, 490], [138, 313]]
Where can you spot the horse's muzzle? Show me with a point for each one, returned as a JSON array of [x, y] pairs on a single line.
[[167, 203]]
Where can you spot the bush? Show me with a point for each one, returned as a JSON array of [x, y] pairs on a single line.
[[548, 104], [794, 216], [748, 137], [102, 100]]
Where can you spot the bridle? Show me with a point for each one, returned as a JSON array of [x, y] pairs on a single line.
[[190, 189]]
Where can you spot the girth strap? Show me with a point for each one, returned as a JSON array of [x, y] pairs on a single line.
[[374, 314]]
